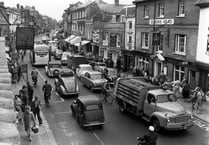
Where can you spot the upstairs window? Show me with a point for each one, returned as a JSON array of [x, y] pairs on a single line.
[[181, 8], [160, 47], [161, 11], [146, 11], [129, 39], [180, 44], [130, 25], [145, 40]]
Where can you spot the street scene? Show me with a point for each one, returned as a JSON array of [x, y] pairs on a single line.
[[105, 73]]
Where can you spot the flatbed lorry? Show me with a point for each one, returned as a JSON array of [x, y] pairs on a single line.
[[155, 104]]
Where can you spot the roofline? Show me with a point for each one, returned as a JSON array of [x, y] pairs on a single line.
[[203, 4]]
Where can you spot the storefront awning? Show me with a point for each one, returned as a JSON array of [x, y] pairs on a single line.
[[75, 40], [84, 42], [69, 38], [158, 56]]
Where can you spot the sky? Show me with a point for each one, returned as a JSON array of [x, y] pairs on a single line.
[[52, 8]]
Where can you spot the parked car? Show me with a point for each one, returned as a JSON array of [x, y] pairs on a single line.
[[64, 57], [88, 111], [99, 66], [58, 54], [66, 84], [82, 68], [93, 80], [53, 68]]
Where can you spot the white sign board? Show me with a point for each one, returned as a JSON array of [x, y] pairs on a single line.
[[161, 21]]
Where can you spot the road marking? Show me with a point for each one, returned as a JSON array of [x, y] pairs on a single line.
[[61, 99], [99, 139], [41, 75], [201, 125]]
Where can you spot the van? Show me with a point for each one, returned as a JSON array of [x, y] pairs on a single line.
[[75, 60]]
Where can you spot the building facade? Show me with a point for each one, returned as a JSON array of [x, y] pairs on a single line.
[[166, 38]]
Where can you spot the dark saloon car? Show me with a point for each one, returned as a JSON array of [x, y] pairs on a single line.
[[88, 111], [66, 84], [53, 68]]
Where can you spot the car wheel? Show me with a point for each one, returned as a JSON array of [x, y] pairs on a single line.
[[156, 124]]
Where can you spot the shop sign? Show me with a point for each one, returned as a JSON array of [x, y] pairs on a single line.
[[161, 21]]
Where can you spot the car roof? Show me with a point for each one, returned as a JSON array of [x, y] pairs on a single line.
[[89, 99]]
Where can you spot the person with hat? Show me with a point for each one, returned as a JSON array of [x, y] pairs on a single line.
[[151, 137], [29, 121], [35, 108]]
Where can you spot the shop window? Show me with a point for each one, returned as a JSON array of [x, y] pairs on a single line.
[[179, 72]]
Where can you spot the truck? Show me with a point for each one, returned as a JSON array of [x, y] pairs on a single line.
[[156, 104]]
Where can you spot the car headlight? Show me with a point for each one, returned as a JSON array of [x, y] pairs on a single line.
[[191, 116]]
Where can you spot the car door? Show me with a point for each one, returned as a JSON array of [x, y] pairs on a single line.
[[149, 104]]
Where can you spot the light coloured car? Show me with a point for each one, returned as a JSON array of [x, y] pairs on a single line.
[[93, 80], [88, 111], [66, 84], [100, 66], [82, 69], [64, 57]]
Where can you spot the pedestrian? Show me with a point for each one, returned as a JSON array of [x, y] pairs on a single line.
[[200, 95], [30, 92], [47, 88], [25, 97], [186, 90], [35, 108], [29, 121], [162, 78], [194, 97], [19, 72], [18, 108]]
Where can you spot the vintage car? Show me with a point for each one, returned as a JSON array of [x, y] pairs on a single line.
[[53, 68], [110, 74], [88, 111], [82, 69], [93, 80], [99, 66], [64, 57], [66, 84], [58, 54]]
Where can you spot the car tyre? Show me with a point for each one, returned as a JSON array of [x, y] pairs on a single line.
[[156, 124]]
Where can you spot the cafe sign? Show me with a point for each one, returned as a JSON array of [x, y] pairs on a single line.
[[161, 21]]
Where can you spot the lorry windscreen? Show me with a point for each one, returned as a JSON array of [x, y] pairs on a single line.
[[166, 98]]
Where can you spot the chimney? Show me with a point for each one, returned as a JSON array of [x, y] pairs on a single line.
[[116, 2]]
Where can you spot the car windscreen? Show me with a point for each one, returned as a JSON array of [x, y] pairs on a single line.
[[96, 76], [86, 68], [166, 98], [66, 74], [101, 64], [55, 65]]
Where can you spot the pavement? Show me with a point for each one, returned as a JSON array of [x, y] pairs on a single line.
[[44, 136]]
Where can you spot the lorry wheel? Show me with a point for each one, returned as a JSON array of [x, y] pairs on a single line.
[[156, 124], [121, 108]]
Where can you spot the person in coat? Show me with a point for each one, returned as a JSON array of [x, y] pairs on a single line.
[[35, 108], [29, 121]]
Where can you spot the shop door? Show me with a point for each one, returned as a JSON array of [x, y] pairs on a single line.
[[157, 68], [192, 78]]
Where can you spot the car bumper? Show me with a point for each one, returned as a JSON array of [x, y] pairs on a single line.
[[179, 126], [93, 124], [64, 62]]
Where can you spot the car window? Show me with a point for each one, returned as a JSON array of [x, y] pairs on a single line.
[[166, 98], [55, 65], [86, 68], [92, 107], [96, 76], [151, 98]]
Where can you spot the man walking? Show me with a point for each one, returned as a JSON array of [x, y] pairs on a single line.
[[35, 108]]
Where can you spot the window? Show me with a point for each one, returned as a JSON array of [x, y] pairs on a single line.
[[129, 39], [160, 47], [143, 62], [145, 40], [146, 11], [179, 72], [181, 8], [161, 10], [208, 44], [180, 44], [130, 25]]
